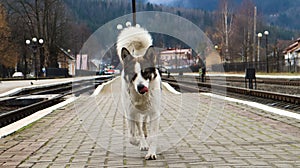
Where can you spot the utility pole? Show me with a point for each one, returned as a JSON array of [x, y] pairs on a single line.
[[133, 13], [254, 37], [266, 33], [226, 29]]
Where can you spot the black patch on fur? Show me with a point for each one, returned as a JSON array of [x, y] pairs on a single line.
[[147, 73], [133, 78], [148, 64]]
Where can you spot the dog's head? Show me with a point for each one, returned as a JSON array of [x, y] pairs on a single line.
[[139, 71]]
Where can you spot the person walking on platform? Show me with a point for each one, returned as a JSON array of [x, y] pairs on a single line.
[[202, 73]]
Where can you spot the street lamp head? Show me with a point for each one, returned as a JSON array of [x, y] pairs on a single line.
[[119, 27], [266, 33], [41, 41], [27, 42], [259, 35], [128, 24], [34, 39]]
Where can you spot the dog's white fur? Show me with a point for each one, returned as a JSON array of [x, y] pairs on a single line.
[[138, 107]]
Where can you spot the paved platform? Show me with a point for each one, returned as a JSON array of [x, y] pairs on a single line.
[[91, 132]]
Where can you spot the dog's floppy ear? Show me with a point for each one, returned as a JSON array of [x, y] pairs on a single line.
[[150, 55], [125, 55]]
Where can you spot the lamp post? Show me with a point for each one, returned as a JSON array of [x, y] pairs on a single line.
[[219, 49], [34, 44], [216, 46], [266, 33], [259, 35]]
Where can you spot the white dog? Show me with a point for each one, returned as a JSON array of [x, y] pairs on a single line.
[[141, 87]]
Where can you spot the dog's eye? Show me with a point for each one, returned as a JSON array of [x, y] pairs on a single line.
[[147, 73]]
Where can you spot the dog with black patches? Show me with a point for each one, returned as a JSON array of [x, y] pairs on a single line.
[[141, 88]]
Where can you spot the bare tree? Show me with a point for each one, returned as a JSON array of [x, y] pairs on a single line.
[[224, 26], [8, 54], [47, 19], [242, 40]]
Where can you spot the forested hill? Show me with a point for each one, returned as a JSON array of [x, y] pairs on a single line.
[[283, 13], [95, 13], [268, 6]]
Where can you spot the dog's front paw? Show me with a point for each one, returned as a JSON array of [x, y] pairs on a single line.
[[144, 147], [151, 156]]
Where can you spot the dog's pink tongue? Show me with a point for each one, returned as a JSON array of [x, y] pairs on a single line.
[[144, 90]]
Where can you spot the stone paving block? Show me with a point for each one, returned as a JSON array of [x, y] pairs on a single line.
[[26, 165], [283, 165], [177, 165], [202, 165], [11, 163], [258, 162], [43, 164], [77, 165]]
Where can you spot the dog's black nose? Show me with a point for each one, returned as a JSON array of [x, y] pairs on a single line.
[[142, 89]]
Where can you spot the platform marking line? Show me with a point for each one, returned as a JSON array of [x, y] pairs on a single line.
[[257, 105], [170, 88], [100, 87]]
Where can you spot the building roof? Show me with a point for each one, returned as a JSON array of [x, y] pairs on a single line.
[[295, 46], [66, 53]]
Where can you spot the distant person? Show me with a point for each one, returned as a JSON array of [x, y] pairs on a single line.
[[202, 72]]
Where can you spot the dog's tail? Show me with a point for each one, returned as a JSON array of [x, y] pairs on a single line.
[[135, 39]]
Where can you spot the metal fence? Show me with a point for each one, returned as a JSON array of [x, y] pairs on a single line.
[[270, 66]]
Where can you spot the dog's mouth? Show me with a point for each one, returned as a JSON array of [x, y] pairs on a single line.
[[142, 89]]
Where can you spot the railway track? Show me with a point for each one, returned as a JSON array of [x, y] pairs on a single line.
[[12, 108], [274, 99]]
